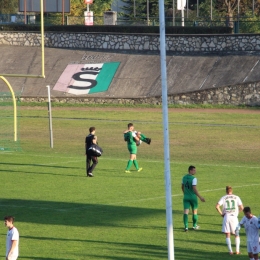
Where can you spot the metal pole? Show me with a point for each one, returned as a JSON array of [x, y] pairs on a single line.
[[62, 12], [25, 7], [238, 16], [197, 8], [167, 173], [134, 9], [187, 7], [42, 40], [173, 12], [147, 11], [211, 10], [50, 116], [14, 105], [182, 17]]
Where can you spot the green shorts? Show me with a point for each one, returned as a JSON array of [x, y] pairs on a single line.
[[132, 149], [190, 202]]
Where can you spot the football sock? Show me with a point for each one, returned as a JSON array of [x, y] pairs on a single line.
[[129, 164], [195, 220], [237, 239], [142, 137], [185, 220], [228, 241], [136, 164]]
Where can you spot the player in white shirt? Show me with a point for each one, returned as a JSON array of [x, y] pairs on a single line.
[[12, 239], [250, 222], [231, 206]]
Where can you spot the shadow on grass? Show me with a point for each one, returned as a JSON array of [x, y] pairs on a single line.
[[39, 165], [140, 249], [42, 173], [42, 258], [65, 213]]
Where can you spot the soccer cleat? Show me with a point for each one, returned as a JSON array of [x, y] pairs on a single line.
[[148, 140], [90, 175], [238, 253], [196, 228], [140, 169], [126, 171], [185, 229], [231, 253]]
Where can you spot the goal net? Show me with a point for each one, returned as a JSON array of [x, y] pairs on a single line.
[[7, 128]]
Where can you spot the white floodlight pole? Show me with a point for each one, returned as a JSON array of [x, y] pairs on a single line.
[[167, 173], [50, 116]]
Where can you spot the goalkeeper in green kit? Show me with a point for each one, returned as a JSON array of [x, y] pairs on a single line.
[[133, 140]]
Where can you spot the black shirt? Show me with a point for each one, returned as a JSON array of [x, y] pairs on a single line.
[[88, 141]]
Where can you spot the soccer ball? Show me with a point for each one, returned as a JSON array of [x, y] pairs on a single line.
[[138, 142]]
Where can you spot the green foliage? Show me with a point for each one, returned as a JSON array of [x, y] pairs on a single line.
[[140, 10], [77, 7], [8, 6], [98, 7], [249, 25]]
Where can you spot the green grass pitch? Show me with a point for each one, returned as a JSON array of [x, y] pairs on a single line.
[[63, 215]]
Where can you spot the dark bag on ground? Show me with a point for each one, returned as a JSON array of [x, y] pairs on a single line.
[[95, 150]]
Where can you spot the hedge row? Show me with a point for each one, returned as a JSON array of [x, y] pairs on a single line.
[[119, 29]]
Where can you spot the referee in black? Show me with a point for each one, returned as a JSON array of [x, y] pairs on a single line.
[[88, 143]]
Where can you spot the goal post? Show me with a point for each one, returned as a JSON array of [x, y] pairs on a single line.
[[14, 106]]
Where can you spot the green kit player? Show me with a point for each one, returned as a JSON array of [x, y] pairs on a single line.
[[189, 188], [131, 138]]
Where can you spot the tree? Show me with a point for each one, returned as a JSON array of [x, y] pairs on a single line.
[[98, 7], [8, 6], [141, 8], [230, 9]]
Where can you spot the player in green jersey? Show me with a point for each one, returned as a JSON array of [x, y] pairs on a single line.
[[189, 188], [131, 138]]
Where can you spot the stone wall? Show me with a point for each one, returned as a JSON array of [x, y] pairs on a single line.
[[135, 42], [246, 94]]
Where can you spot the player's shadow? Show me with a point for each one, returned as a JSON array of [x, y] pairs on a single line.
[[39, 173], [121, 247], [39, 165]]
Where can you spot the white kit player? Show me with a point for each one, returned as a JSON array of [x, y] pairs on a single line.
[[250, 222], [12, 239], [231, 206]]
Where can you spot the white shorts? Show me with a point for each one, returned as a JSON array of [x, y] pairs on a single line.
[[253, 247], [229, 224]]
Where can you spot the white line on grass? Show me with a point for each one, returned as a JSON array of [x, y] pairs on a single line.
[[145, 160], [115, 203], [181, 194]]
